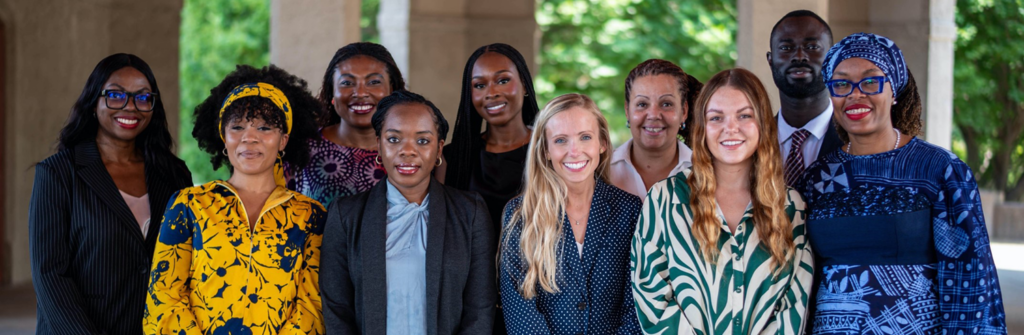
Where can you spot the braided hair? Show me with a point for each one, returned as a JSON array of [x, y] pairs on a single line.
[[905, 115], [689, 87], [464, 152], [305, 113], [374, 50]]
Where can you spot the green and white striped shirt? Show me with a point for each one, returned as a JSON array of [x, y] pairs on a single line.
[[678, 292]]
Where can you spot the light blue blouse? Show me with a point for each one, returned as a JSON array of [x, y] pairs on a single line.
[[406, 264]]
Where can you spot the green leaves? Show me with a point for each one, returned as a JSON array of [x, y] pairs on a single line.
[[216, 36], [590, 46]]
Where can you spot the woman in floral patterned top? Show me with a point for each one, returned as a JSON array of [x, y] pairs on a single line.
[[241, 256], [343, 156], [722, 249]]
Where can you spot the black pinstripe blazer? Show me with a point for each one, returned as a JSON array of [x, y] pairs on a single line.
[[90, 263]]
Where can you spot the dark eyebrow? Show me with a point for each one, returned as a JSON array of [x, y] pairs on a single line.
[[425, 132], [496, 73], [667, 95], [120, 88]]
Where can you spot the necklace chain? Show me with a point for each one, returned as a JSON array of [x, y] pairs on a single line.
[[894, 146]]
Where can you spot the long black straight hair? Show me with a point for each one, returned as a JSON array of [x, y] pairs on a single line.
[[154, 142], [466, 140]]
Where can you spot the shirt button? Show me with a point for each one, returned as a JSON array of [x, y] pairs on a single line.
[[739, 289], [737, 258], [581, 306]]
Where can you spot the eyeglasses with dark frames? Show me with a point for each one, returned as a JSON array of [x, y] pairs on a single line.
[[870, 86], [118, 99]]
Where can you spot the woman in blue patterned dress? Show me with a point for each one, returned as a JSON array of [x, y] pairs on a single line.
[[341, 161], [896, 222], [564, 259]]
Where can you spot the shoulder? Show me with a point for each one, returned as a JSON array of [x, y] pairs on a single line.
[[304, 201], [675, 186], [58, 163], [617, 197]]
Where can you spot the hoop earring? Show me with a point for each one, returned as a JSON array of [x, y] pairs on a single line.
[[376, 159], [225, 151], [439, 161], [281, 154]]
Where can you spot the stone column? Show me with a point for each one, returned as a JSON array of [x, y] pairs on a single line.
[[432, 39], [938, 116], [753, 36], [304, 34]]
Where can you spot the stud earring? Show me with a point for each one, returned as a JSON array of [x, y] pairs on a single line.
[[894, 102], [627, 123]]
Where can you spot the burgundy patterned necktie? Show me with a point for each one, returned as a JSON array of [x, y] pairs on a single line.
[[795, 160]]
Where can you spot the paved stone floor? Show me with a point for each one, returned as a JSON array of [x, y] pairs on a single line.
[[18, 304]]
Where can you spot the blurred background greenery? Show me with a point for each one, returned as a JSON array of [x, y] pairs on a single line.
[[589, 46]]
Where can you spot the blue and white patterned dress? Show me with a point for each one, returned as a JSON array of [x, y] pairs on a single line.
[[902, 245]]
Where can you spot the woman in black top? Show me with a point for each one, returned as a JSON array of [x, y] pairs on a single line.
[[497, 88], [93, 200]]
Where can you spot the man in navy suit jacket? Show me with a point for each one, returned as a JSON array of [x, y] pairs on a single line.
[[799, 42]]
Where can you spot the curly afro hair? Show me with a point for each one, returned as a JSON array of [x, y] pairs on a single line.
[[305, 113]]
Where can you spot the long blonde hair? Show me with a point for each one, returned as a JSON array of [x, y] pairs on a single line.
[[768, 189], [539, 216]]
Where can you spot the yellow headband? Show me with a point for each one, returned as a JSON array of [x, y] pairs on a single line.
[[263, 90]]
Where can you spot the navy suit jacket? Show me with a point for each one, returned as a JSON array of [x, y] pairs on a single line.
[[595, 295], [90, 262]]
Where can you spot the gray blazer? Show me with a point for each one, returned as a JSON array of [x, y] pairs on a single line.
[[461, 284]]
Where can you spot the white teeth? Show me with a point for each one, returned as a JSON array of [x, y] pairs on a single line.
[[575, 166], [654, 130], [361, 107], [407, 168], [128, 121], [731, 142], [858, 111], [496, 107]]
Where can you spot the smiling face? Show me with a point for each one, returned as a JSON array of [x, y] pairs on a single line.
[[497, 92], [799, 45], [732, 131], [127, 123], [409, 147], [858, 113], [574, 145], [359, 83], [656, 112], [253, 145]]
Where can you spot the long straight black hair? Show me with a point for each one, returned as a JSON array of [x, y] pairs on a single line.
[[154, 142], [466, 140]]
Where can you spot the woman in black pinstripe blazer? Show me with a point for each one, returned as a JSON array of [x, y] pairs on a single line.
[[91, 248]]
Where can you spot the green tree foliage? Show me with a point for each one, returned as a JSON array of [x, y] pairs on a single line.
[[215, 36], [589, 46], [989, 91]]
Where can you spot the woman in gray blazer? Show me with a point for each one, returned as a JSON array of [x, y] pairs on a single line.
[[97, 204], [409, 256]]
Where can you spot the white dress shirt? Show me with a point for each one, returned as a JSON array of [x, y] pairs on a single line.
[[624, 176], [818, 126]]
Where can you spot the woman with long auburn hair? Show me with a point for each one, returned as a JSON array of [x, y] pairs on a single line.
[[564, 260], [721, 248]]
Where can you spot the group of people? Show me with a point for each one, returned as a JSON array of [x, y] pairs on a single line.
[[347, 213]]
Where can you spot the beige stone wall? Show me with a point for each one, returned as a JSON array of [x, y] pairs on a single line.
[[51, 48], [304, 34]]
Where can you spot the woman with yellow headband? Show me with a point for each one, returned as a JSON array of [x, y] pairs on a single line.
[[241, 256]]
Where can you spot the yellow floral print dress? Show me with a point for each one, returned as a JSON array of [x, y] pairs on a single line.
[[213, 275]]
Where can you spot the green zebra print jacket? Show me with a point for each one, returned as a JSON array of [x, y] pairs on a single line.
[[678, 292]]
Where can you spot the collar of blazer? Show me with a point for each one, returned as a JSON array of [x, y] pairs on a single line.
[[374, 237], [89, 167]]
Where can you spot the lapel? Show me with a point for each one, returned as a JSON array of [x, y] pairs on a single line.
[[437, 219], [579, 269], [373, 240], [831, 141], [160, 191], [92, 171]]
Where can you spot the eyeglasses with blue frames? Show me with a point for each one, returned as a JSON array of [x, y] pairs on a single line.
[[117, 99], [870, 86]]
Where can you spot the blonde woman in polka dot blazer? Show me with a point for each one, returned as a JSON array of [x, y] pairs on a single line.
[[564, 260]]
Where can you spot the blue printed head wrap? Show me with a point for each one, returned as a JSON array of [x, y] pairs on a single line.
[[879, 50]]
